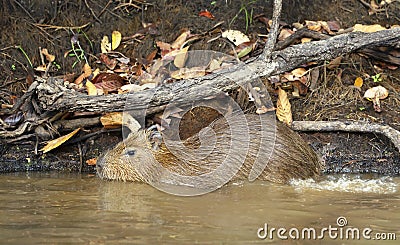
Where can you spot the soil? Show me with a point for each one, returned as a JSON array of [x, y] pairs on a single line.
[[28, 25]]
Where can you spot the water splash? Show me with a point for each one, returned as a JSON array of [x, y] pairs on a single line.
[[349, 183]]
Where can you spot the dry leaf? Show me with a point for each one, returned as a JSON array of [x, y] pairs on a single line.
[[41, 68], [299, 72], [180, 40], [137, 88], [180, 57], [334, 63], [108, 82], [105, 45], [49, 57], [214, 65], [244, 49], [314, 78], [333, 25], [306, 40], [285, 33], [235, 36], [59, 141], [112, 120], [207, 14], [87, 71], [376, 94], [91, 161], [283, 110], [116, 38], [368, 28], [358, 82], [110, 63], [165, 47], [91, 89], [313, 25], [187, 73]]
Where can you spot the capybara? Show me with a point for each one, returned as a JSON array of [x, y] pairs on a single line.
[[272, 151]]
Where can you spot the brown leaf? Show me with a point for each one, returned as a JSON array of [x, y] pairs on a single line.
[[180, 40], [334, 25], [163, 46], [57, 142], [206, 13], [112, 120], [91, 161], [87, 71], [314, 78], [283, 110], [151, 57], [110, 63], [334, 63], [285, 33], [301, 86], [109, 82], [49, 57], [313, 25]]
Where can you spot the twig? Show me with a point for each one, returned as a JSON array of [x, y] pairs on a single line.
[[61, 27], [26, 11], [350, 126], [92, 12], [273, 34]]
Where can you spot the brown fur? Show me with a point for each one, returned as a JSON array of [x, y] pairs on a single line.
[[290, 157]]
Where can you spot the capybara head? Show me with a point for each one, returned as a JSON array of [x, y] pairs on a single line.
[[119, 162]]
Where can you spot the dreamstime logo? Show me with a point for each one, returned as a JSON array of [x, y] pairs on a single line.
[[218, 64], [338, 231]]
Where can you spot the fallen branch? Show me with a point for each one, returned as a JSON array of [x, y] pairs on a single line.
[[52, 95], [350, 126]]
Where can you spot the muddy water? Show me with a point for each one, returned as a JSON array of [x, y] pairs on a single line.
[[51, 208]]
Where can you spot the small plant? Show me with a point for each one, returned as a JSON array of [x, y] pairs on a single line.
[[79, 53], [24, 53], [248, 14], [377, 78]]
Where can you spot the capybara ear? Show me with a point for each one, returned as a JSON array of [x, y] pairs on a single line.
[[155, 137], [131, 123]]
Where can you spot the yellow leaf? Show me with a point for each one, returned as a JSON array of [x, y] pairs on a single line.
[[358, 82], [299, 72], [116, 38], [112, 120], [57, 142], [91, 89], [180, 58], [368, 28], [306, 40], [105, 45], [283, 108]]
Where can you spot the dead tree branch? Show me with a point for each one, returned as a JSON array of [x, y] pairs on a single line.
[[52, 94]]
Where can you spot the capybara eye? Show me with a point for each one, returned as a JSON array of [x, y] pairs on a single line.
[[130, 152]]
